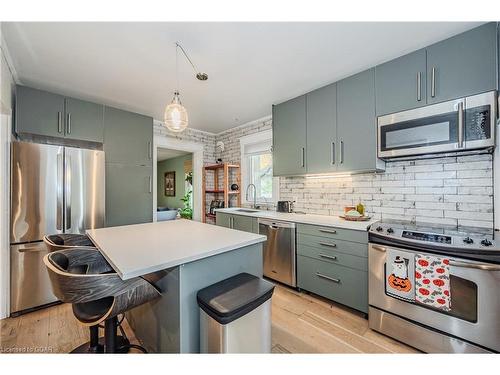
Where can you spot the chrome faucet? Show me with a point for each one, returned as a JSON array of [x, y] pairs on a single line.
[[254, 195]]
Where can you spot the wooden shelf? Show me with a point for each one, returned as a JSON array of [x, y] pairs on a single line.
[[219, 166], [221, 185]]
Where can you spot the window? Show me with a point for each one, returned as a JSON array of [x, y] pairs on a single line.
[[257, 168]]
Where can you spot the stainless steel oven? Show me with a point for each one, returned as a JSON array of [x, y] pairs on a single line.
[[471, 325], [461, 124]]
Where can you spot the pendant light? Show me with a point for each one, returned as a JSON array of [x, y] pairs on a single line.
[[176, 116]]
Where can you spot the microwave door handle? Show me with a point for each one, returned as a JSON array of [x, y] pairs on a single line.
[[461, 124], [478, 266]]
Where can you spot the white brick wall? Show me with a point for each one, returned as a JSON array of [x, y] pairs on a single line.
[[454, 190]]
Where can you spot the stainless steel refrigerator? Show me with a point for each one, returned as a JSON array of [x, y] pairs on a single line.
[[54, 189]]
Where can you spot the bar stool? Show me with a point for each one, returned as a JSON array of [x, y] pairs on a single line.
[[66, 241], [82, 277], [62, 241]]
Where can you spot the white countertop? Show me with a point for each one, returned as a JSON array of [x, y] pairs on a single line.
[[136, 250], [324, 220]]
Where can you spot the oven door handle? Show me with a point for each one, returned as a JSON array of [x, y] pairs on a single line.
[[478, 266], [379, 248]]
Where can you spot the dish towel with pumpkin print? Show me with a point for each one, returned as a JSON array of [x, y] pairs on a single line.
[[400, 275], [432, 277]]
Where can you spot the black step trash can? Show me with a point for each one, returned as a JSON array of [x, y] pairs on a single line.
[[235, 315]]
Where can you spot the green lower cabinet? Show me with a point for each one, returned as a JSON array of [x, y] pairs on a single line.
[[341, 284], [244, 223], [238, 222], [223, 220]]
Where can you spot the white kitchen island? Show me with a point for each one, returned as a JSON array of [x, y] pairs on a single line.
[[180, 257]]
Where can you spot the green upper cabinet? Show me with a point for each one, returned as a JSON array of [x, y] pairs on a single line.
[[322, 130], [357, 123], [400, 84], [462, 65], [45, 114], [39, 112], [128, 137], [289, 137], [84, 120]]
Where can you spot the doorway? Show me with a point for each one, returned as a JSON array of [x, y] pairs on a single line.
[[177, 171]]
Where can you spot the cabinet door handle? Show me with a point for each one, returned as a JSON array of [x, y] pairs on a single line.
[[150, 184], [150, 150], [59, 122], [333, 153], [331, 231], [337, 281], [328, 256], [328, 244], [460, 124], [302, 157], [433, 82], [341, 152], [419, 86], [68, 125]]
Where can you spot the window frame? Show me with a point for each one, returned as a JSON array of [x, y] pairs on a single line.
[[253, 139]]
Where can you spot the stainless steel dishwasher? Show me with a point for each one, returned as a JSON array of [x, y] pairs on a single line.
[[279, 251]]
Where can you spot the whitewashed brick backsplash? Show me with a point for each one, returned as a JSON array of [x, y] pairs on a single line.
[[455, 190], [449, 190]]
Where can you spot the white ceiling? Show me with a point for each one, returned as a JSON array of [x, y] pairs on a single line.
[[164, 154], [250, 65]]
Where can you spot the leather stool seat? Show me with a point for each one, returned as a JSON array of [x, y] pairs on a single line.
[[82, 276], [67, 240], [89, 312]]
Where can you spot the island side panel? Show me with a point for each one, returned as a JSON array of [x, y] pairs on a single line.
[[202, 273], [156, 324]]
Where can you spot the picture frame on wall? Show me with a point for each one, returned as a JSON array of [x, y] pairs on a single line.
[[170, 184]]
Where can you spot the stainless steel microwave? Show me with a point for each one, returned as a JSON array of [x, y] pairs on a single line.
[[460, 124]]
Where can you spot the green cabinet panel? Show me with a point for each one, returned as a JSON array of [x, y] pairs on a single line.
[[322, 243], [238, 222], [400, 84], [331, 255], [289, 137], [128, 137], [462, 65], [129, 197], [357, 123], [341, 284], [244, 223], [84, 120], [333, 233], [39, 112], [322, 130], [223, 220]]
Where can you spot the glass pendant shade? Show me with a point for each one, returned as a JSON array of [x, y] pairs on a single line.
[[176, 117]]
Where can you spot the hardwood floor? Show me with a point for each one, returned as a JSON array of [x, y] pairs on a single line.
[[50, 330], [301, 323]]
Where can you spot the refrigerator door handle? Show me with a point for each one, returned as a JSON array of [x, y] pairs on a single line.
[[60, 184], [67, 191]]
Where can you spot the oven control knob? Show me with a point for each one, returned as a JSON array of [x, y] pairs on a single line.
[[486, 242], [379, 229], [468, 240], [390, 230]]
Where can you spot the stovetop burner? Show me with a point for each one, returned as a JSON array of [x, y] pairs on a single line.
[[477, 242]]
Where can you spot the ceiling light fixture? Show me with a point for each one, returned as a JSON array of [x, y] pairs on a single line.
[[176, 116]]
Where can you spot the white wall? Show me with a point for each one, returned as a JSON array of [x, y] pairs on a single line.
[[6, 94]]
